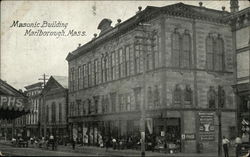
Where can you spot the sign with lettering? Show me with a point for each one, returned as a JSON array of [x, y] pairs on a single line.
[[206, 129], [189, 136], [11, 101]]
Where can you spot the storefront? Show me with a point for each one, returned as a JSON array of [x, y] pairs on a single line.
[[13, 104]]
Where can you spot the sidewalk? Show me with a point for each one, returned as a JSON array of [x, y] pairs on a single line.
[[125, 152]]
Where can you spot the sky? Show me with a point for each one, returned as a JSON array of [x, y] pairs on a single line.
[[24, 59]]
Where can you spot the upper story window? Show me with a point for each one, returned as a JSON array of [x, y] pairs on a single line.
[[221, 97], [121, 63], [72, 79], [113, 65], [95, 72], [137, 95], [156, 51], [181, 49], [156, 96], [103, 68], [84, 76], [211, 96], [176, 43], [79, 80], [107, 67], [127, 60], [53, 114], [89, 74], [149, 52], [113, 101], [214, 53], [138, 57], [186, 52]]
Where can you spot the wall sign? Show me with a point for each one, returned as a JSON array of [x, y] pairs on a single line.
[[10, 101], [206, 128]]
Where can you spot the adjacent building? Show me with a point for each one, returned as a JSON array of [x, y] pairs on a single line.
[[175, 62], [240, 21], [54, 107], [32, 123]]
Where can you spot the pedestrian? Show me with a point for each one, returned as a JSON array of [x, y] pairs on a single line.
[[114, 143], [225, 143], [107, 141], [73, 143]]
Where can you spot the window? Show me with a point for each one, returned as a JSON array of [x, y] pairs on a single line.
[[72, 82], [89, 74], [214, 53], [60, 112], [106, 67], [78, 103], [156, 96], [138, 57], [113, 64], [188, 95], [113, 102], [186, 53], [84, 75], [219, 59], [138, 95], [79, 80], [211, 97], [127, 61], [210, 54], [176, 49], [53, 114], [96, 101], [103, 68], [156, 51], [149, 53], [83, 108], [121, 102], [121, 63], [128, 102], [150, 98], [95, 72], [177, 94], [181, 49], [103, 104]]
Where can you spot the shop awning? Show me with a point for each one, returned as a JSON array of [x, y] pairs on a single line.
[[13, 103]]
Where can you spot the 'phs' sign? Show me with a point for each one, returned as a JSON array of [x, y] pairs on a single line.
[[10, 101]]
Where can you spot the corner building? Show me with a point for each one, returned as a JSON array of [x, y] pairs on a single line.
[[188, 77]]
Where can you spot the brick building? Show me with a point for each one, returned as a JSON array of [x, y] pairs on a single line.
[[54, 109], [188, 67]]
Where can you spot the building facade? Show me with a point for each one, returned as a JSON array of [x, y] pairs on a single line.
[[176, 62], [32, 123], [240, 22], [54, 110]]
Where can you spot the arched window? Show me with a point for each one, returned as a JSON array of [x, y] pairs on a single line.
[[214, 53], [210, 53], [219, 56], [176, 49], [156, 51], [186, 52]]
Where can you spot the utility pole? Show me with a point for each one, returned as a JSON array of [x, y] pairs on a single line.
[[44, 79], [143, 113], [220, 104], [42, 108]]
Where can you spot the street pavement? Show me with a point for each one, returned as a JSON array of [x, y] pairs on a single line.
[[8, 149]]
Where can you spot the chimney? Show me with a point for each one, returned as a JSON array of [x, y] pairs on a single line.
[[200, 3], [234, 5], [79, 45], [139, 9], [223, 8], [118, 22]]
